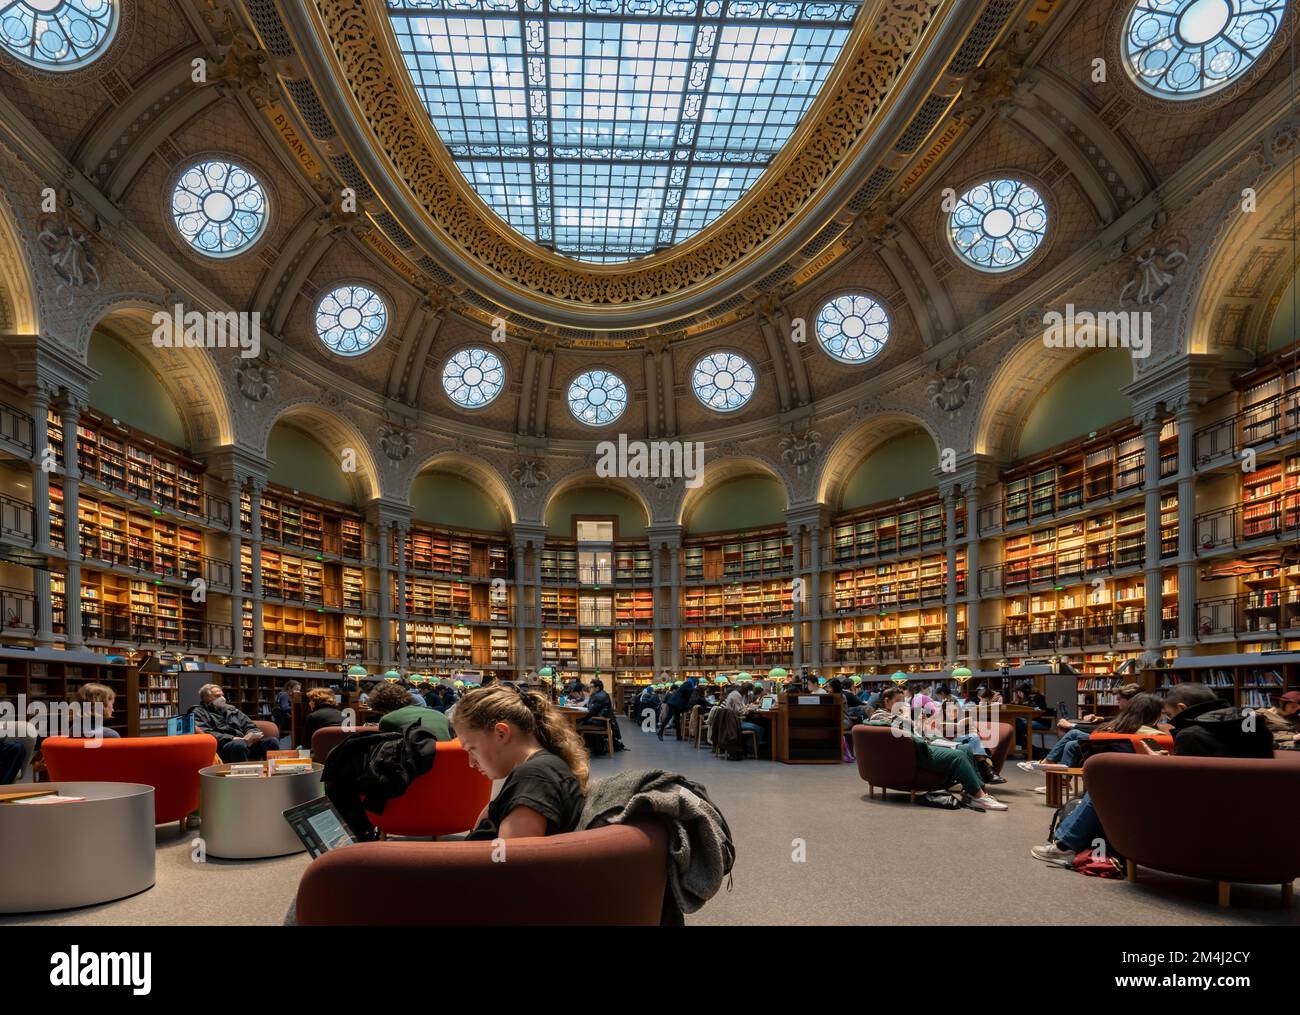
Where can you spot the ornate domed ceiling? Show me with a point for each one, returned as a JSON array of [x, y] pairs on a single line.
[[599, 169]]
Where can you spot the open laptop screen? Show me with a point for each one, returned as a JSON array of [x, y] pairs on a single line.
[[319, 826]]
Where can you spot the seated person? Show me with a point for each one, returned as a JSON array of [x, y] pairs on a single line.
[[92, 719], [988, 696], [1283, 721], [417, 698], [600, 707], [700, 696], [393, 703], [12, 753], [854, 711], [574, 686], [519, 736], [1027, 694], [649, 701], [1086, 723], [1139, 715], [953, 763], [738, 701], [1204, 726], [444, 697], [324, 712], [238, 738]]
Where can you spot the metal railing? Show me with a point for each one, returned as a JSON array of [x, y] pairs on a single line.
[[1238, 524], [15, 518], [1253, 613], [17, 610], [16, 427], [1270, 420]]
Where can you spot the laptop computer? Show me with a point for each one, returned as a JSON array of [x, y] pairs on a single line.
[[180, 725], [319, 826], [768, 703]]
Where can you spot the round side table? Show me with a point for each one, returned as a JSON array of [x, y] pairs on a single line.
[[61, 856], [243, 818]]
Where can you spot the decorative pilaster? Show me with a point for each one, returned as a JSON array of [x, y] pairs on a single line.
[[403, 643], [950, 496], [44, 619], [70, 408], [1151, 422], [667, 539], [255, 485], [237, 573], [1185, 415]]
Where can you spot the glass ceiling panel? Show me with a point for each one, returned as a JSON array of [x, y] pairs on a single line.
[[609, 129]]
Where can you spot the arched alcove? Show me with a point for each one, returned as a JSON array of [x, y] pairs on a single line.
[[899, 466], [309, 446], [127, 389], [1087, 395], [744, 502], [444, 498], [601, 501]]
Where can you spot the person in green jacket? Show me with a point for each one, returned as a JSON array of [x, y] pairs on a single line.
[[396, 711]]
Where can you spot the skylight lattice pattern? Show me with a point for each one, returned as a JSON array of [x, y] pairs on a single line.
[[609, 129]]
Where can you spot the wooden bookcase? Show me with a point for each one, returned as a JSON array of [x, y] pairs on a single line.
[[808, 732], [560, 647], [896, 528], [633, 565], [301, 523], [1245, 680], [50, 676], [445, 645], [127, 460], [442, 600], [728, 559], [895, 584], [560, 564], [127, 611], [115, 535]]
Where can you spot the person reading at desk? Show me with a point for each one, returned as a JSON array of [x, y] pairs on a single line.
[[517, 735], [739, 701], [600, 707]]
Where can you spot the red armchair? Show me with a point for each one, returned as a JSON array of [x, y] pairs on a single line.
[[889, 761], [604, 876], [1222, 819], [446, 799], [169, 764], [327, 738]]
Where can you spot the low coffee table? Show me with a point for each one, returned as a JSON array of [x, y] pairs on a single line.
[[243, 818], [1062, 783], [61, 856]]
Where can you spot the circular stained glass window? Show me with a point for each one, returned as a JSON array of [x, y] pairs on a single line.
[[997, 225], [473, 377], [57, 34], [853, 328], [219, 207], [1183, 49], [723, 381], [597, 397], [351, 319]]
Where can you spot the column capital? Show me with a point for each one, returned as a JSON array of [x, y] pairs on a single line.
[[807, 516], [235, 464], [72, 403], [664, 535], [385, 511], [525, 534]]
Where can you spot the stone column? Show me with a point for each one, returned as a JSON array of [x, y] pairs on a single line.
[[237, 574], [1151, 425], [255, 487], [972, 568], [403, 651], [950, 566], [383, 532], [70, 415], [518, 654], [44, 614], [796, 567], [656, 583], [812, 589], [1186, 417], [675, 600]]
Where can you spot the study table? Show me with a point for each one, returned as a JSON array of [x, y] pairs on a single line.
[[243, 818]]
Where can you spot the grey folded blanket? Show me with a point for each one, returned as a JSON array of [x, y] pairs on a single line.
[[700, 850]]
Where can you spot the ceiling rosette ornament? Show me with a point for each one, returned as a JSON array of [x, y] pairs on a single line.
[[69, 248], [800, 450], [256, 378], [397, 443], [529, 474], [949, 390]]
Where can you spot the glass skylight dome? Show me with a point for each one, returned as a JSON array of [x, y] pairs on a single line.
[[609, 129]]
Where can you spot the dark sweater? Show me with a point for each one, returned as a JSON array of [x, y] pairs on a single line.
[[1216, 729], [319, 719]]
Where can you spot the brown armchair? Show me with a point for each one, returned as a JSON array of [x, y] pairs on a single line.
[[604, 876], [889, 761], [1222, 819], [327, 738]]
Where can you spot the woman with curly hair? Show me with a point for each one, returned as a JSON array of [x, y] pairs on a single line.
[[519, 736]]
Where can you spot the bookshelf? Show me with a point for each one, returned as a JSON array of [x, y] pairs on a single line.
[[51, 676], [895, 584], [116, 536], [730, 559], [314, 527], [1082, 473], [559, 607], [560, 647], [437, 552], [443, 600], [633, 608], [559, 564], [1100, 543], [298, 632], [896, 529], [633, 565], [438, 644], [1246, 680], [739, 645], [121, 609], [739, 602], [120, 458], [894, 638], [633, 649]]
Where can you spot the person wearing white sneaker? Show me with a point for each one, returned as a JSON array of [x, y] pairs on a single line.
[[1029, 766], [1053, 853], [983, 802]]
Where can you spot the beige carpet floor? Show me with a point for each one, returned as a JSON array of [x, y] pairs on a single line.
[[811, 848]]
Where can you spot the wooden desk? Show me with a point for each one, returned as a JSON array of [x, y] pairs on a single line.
[[1010, 713], [811, 733], [768, 717]]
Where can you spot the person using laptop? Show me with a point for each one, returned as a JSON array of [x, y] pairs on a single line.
[[517, 735], [238, 738]]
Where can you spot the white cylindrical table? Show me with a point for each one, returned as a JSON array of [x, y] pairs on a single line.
[[60, 856], [243, 818]]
